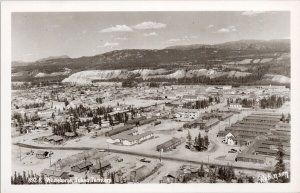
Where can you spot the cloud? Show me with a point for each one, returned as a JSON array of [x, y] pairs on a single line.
[[252, 13], [108, 44], [117, 28], [227, 29], [149, 25], [185, 38], [121, 38], [210, 26], [173, 40], [150, 34], [111, 44]]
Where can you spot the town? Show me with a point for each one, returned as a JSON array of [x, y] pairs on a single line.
[[149, 132]]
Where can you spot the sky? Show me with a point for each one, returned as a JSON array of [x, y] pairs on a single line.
[[76, 34]]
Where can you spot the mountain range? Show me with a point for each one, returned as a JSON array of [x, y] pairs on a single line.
[[243, 55]]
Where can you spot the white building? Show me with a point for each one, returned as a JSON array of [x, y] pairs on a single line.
[[187, 113], [58, 106]]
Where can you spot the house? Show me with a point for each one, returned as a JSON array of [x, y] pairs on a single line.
[[187, 113], [235, 106], [74, 104], [172, 177], [104, 165], [70, 134], [46, 114], [55, 174], [42, 154], [58, 106], [231, 140], [170, 145], [56, 139], [227, 136], [84, 166]]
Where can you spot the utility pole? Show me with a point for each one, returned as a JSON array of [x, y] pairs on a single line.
[[108, 146], [160, 155], [20, 153]]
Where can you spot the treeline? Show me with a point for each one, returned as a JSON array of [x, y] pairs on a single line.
[[27, 178], [33, 105], [67, 126], [82, 111], [244, 102], [21, 120], [272, 102], [201, 104]]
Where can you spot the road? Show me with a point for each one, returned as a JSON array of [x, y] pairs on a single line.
[[186, 161]]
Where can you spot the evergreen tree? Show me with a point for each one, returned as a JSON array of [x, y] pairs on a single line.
[[288, 119], [280, 167], [250, 179], [189, 140], [112, 178], [201, 171], [212, 176], [206, 141], [240, 180]]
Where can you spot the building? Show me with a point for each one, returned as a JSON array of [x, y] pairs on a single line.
[[42, 154], [282, 129], [136, 121], [74, 104], [46, 114], [55, 174], [267, 119], [187, 113], [250, 158], [119, 130], [58, 106], [231, 140], [56, 139], [235, 106], [70, 134], [130, 137], [190, 97], [173, 177], [84, 166], [147, 121], [140, 173], [208, 124], [170, 145], [104, 165]]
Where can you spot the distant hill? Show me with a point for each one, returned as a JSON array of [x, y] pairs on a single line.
[[244, 55], [53, 57], [277, 44]]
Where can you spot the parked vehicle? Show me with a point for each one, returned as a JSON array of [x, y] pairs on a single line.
[[231, 151], [144, 160]]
